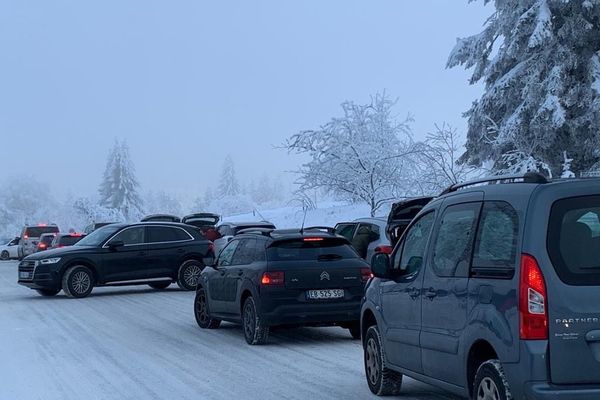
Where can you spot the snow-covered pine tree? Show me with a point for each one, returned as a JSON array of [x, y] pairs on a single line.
[[540, 62], [119, 187], [228, 184]]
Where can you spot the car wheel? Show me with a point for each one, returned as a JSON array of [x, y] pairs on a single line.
[[355, 331], [78, 281], [255, 331], [202, 314], [490, 382], [382, 380], [48, 292], [4, 255], [159, 285], [188, 275]]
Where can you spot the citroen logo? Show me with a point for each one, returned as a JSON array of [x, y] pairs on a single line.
[[325, 275]]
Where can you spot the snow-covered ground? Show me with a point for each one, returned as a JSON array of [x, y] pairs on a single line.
[[137, 343]]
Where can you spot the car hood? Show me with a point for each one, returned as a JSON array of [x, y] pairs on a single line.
[[63, 251]]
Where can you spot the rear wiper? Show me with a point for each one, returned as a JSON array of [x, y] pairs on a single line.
[[329, 257]]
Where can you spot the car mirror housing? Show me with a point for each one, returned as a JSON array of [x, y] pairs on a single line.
[[381, 266], [116, 244]]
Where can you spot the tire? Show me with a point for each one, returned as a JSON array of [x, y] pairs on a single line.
[[255, 331], [48, 292], [160, 285], [490, 382], [4, 255], [189, 274], [382, 381], [355, 331], [202, 313], [78, 282]]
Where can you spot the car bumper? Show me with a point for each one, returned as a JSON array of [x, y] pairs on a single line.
[[546, 391], [311, 314], [39, 277]]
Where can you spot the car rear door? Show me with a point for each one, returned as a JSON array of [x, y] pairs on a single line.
[[217, 282], [572, 278], [166, 247]]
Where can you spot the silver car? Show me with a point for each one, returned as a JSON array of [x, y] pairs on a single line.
[[367, 235]]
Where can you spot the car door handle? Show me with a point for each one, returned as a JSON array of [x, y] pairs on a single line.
[[430, 293], [413, 292]]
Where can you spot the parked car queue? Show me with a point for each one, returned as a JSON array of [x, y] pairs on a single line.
[[490, 292]]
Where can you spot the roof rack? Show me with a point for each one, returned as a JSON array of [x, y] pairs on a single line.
[[529, 177]]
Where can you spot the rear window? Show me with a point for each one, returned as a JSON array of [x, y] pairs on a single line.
[[574, 240], [310, 250], [69, 240], [37, 231], [47, 239]]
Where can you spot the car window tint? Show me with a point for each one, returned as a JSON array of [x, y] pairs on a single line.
[[574, 240], [244, 253], [226, 255], [130, 236], [160, 234], [321, 250], [497, 236], [410, 259], [260, 252], [454, 240]]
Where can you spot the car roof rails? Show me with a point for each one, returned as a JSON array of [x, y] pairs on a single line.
[[327, 229], [529, 177]]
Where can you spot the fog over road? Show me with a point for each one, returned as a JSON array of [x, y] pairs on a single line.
[[139, 343]]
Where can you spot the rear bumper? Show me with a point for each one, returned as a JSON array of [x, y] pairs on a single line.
[[546, 391], [311, 314]]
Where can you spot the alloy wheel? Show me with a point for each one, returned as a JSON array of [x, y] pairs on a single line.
[[201, 312], [488, 390], [191, 275], [81, 282], [249, 320], [372, 361]]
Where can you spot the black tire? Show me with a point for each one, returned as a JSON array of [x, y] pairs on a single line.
[[78, 282], [202, 313], [490, 382], [160, 285], [48, 292], [188, 275], [355, 330], [382, 381], [255, 331], [4, 255]]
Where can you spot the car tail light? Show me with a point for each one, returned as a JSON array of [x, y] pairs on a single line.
[[313, 239], [533, 301], [366, 274], [41, 245], [25, 236], [273, 278], [384, 249]]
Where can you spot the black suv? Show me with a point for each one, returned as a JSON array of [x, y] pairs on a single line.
[[150, 253], [492, 292], [283, 278]]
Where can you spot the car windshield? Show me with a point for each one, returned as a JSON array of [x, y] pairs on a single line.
[[97, 237]]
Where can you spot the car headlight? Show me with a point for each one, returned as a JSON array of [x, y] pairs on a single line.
[[50, 260]]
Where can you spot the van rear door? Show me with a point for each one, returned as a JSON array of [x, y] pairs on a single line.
[[573, 247]]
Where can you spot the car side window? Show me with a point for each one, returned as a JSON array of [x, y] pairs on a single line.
[[131, 236], [454, 240], [410, 253], [161, 234], [244, 254], [226, 256], [260, 250], [346, 230], [497, 236], [224, 230]]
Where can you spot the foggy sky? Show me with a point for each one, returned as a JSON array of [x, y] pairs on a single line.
[[187, 82]]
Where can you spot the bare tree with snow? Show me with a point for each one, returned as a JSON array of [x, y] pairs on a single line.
[[362, 155], [540, 62]]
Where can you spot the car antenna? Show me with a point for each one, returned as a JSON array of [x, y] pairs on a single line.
[[303, 220]]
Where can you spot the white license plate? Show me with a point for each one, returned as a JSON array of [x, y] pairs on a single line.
[[325, 294], [24, 275]]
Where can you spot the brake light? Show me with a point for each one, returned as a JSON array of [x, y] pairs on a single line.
[[273, 278], [385, 249], [42, 224], [41, 245], [533, 307], [313, 239], [25, 236], [366, 274]]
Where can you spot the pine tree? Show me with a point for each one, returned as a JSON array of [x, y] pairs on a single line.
[[540, 62], [228, 184], [119, 187]]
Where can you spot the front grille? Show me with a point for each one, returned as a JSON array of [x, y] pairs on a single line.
[[26, 270]]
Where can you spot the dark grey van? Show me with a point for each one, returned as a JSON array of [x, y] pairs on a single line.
[[493, 292]]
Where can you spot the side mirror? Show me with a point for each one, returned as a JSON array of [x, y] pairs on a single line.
[[381, 266], [115, 244]]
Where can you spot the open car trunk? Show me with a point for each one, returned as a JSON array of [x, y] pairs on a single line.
[[401, 214]]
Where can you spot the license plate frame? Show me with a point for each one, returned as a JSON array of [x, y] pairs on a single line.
[[25, 275], [325, 294]]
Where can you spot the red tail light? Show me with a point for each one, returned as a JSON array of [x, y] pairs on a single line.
[[41, 245], [533, 301], [273, 278], [366, 274], [313, 239], [384, 249], [25, 236]]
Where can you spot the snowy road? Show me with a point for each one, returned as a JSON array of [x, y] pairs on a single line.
[[137, 343]]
